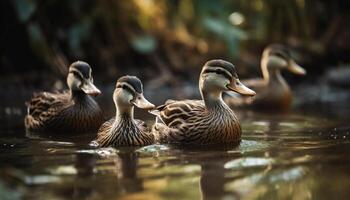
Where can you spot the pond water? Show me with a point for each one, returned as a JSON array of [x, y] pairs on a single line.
[[300, 155]]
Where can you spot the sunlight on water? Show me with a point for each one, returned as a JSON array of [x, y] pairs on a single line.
[[248, 162], [289, 175], [153, 148], [41, 179], [279, 157], [249, 145], [64, 170], [103, 152]]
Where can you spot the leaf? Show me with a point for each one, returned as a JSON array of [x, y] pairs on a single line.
[[144, 43], [25, 9], [230, 34]]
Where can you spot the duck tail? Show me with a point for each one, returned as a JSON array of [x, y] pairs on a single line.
[[156, 112], [159, 120]]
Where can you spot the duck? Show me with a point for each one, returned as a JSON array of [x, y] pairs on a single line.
[[273, 92], [71, 111], [203, 122], [123, 129]]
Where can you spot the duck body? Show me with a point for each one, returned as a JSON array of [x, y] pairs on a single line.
[[124, 132], [273, 92], [191, 122], [73, 111], [62, 113], [123, 129], [203, 122]]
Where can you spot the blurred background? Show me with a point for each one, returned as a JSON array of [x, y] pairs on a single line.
[[166, 42]]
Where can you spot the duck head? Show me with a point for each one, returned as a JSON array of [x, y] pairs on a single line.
[[80, 79], [129, 93], [277, 57], [218, 76]]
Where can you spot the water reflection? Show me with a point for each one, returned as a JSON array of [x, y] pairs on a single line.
[[213, 179], [126, 166], [280, 157], [218, 168], [121, 166], [84, 165]]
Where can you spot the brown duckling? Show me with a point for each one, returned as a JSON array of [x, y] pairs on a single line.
[[73, 111], [272, 90], [123, 129], [203, 122]]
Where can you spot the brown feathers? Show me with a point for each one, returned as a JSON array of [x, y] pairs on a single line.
[[61, 113], [190, 122], [124, 132]]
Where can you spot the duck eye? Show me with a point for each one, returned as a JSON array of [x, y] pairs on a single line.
[[280, 55], [76, 75]]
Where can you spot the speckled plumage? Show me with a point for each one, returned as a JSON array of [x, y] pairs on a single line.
[[61, 113], [203, 122], [73, 111], [123, 129], [124, 132], [191, 122], [273, 92]]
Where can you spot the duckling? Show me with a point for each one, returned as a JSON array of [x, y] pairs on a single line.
[[73, 111], [203, 122], [272, 90], [123, 129]]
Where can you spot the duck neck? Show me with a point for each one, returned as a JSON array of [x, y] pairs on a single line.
[[264, 68], [275, 76], [77, 95], [270, 74], [125, 112], [213, 100], [124, 123]]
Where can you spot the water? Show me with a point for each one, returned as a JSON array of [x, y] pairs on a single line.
[[300, 155]]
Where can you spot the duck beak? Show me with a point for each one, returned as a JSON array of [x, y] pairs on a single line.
[[90, 89], [238, 87], [141, 102], [295, 68]]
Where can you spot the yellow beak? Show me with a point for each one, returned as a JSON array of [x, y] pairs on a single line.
[[238, 87], [90, 89], [295, 68], [141, 102]]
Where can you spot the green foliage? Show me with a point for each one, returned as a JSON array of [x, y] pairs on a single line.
[[145, 44], [25, 9], [179, 33], [225, 31], [77, 34]]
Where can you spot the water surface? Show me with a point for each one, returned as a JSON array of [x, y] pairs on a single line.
[[300, 155]]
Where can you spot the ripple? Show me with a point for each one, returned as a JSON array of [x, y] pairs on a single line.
[[248, 162], [251, 145], [288, 175], [41, 179], [103, 152]]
